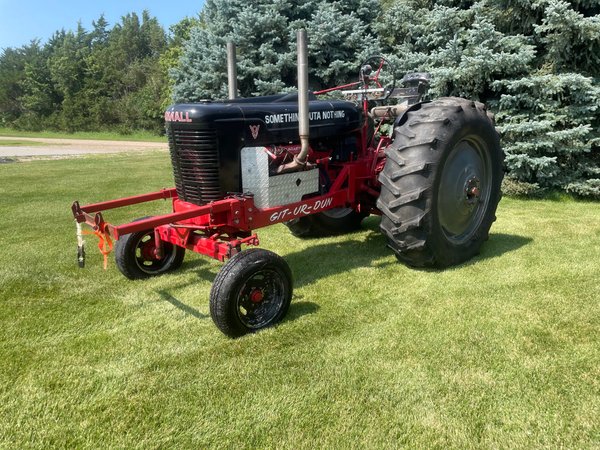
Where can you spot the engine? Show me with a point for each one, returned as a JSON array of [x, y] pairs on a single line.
[[207, 140]]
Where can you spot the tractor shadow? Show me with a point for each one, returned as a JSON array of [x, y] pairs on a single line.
[[181, 306], [297, 308], [364, 248], [497, 245], [332, 258], [318, 261]]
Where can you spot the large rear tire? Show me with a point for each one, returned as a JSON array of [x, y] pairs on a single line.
[[441, 183]]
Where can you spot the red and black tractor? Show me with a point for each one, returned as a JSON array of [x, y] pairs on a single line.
[[431, 169]]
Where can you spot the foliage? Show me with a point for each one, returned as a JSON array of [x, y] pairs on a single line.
[[536, 63], [87, 80], [547, 122], [461, 48], [340, 36], [170, 59]]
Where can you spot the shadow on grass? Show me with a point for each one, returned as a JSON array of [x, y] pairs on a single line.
[[182, 306], [500, 243], [297, 308], [321, 260], [332, 258], [200, 267], [497, 245]]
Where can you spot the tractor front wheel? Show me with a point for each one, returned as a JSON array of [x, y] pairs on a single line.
[[441, 182], [252, 291], [135, 255]]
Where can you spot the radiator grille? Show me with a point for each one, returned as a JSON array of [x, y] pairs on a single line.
[[195, 159]]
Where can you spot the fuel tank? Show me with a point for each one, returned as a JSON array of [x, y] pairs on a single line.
[[205, 138]]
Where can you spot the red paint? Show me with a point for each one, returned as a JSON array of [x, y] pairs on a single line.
[[219, 229], [256, 296]]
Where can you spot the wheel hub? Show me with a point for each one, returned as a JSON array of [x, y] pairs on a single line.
[[464, 190], [260, 299], [148, 250], [472, 190], [257, 296]]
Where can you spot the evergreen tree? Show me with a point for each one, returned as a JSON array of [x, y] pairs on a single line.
[[39, 98], [12, 73], [169, 59], [340, 34], [130, 62], [535, 63]]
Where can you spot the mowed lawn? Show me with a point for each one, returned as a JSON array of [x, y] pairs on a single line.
[[501, 352]]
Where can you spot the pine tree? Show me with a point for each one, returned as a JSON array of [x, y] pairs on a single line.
[[536, 63], [169, 59], [12, 76], [340, 34]]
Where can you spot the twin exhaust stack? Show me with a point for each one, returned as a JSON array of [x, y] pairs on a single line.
[[299, 161]]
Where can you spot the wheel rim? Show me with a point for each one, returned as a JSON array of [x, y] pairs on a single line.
[[261, 298], [145, 254], [464, 190]]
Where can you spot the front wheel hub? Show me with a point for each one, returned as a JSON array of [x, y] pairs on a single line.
[[148, 250], [257, 296]]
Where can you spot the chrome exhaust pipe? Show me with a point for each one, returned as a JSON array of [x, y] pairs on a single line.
[[303, 117], [303, 120], [231, 71]]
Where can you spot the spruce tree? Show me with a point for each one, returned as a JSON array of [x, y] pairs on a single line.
[[340, 35], [536, 63]]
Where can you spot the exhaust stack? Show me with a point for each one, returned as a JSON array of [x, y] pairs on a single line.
[[303, 118], [231, 71]]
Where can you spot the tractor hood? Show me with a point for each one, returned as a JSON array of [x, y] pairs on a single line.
[[266, 120]]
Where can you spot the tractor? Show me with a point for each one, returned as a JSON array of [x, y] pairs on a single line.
[[431, 169]]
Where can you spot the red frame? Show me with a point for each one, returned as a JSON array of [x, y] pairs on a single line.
[[219, 229]]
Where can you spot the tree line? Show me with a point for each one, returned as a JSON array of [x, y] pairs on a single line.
[[89, 80], [537, 64]]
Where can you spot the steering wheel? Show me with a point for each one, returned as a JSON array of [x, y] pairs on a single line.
[[378, 77]]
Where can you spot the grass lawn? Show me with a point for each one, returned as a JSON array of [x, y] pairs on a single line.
[[96, 135], [503, 351]]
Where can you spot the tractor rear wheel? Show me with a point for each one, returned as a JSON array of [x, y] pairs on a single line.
[[252, 291], [135, 255], [441, 183], [326, 223]]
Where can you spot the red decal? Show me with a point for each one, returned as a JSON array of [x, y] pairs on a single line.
[[304, 209], [176, 116], [254, 129]]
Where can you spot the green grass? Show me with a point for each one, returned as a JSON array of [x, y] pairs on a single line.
[[17, 143], [501, 352], [96, 135]]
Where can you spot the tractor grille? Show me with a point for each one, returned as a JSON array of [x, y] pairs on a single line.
[[195, 159]]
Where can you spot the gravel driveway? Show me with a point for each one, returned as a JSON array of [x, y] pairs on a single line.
[[66, 147]]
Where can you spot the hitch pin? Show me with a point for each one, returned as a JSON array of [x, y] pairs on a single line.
[[80, 246]]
